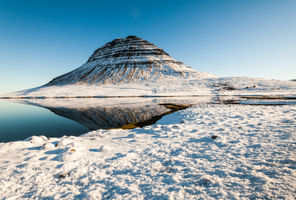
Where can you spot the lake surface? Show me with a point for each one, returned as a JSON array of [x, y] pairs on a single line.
[[19, 121], [22, 118]]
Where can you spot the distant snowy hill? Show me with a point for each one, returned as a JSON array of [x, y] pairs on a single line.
[[126, 60]]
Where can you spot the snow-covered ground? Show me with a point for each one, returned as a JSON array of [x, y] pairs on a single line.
[[168, 87], [209, 151]]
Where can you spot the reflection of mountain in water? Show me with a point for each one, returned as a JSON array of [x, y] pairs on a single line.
[[110, 117], [108, 113]]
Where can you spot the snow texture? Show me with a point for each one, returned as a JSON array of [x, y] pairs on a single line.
[[205, 152]]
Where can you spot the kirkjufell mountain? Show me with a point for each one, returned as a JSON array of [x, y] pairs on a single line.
[[125, 60], [133, 67]]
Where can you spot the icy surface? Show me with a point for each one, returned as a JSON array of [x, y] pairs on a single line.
[[204, 152]]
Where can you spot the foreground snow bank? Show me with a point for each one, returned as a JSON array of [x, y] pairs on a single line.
[[208, 151]]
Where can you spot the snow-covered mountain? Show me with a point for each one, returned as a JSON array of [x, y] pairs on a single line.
[[127, 60], [133, 67]]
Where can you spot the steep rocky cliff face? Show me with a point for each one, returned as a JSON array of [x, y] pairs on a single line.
[[125, 60]]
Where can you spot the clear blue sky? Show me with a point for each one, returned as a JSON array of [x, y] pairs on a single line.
[[40, 40]]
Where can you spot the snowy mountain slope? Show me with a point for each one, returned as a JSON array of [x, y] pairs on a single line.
[[125, 60]]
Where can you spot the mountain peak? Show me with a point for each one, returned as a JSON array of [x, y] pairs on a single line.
[[129, 46], [124, 60], [123, 40]]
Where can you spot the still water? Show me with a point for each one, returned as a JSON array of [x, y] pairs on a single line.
[[20, 119]]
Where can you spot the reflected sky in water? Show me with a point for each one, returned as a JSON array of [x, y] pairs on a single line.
[[19, 121]]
